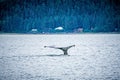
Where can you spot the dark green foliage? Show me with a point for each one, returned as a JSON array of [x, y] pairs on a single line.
[[45, 15]]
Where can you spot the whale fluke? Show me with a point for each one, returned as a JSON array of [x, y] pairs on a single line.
[[64, 49]]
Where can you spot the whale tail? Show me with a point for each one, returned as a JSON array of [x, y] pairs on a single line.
[[64, 49]]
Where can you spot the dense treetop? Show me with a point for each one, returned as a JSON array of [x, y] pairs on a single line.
[[72, 15]]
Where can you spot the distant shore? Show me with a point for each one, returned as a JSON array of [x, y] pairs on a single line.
[[62, 33]]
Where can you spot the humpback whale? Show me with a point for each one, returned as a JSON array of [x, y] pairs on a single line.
[[64, 49]]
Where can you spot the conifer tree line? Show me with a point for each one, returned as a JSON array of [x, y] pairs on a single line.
[[45, 15]]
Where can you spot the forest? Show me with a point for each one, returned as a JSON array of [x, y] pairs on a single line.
[[74, 16]]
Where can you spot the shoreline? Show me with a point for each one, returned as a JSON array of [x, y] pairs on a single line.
[[60, 33]]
